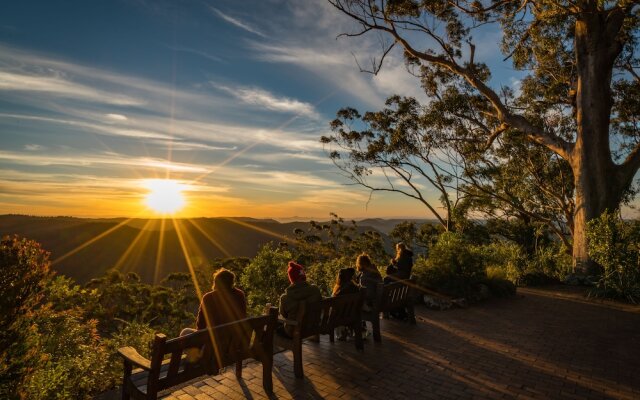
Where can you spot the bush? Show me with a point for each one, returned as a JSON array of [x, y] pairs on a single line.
[[24, 269], [615, 246], [454, 267], [500, 287], [503, 259]]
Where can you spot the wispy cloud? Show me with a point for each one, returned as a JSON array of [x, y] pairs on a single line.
[[236, 22], [262, 98], [197, 52], [33, 147], [59, 86], [113, 160]]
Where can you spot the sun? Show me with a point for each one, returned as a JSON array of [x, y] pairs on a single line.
[[165, 195]]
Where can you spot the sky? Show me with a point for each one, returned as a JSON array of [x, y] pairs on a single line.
[[229, 98]]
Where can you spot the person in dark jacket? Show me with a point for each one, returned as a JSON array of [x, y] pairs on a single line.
[[403, 261], [298, 292], [224, 304], [345, 283], [369, 277]]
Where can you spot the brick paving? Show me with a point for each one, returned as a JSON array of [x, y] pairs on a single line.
[[540, 345]]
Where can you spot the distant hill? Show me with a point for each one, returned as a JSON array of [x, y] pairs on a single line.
[[84, 248], [87, 248]]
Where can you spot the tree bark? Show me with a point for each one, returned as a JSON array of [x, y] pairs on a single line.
[[596, 185]]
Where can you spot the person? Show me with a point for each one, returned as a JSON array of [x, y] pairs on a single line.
[[224, 304], [390, 274], [345, 283], [368, 277], [403, 261], [296, 293]]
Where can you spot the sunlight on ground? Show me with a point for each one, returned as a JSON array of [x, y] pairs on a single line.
[[165, 195]]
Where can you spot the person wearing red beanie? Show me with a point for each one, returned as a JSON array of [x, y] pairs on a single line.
[[295, 272], [299, 291]]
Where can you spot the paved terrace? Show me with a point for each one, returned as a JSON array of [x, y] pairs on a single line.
[[544, 344]]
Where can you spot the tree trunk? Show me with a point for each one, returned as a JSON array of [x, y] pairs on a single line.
[[596, 186]]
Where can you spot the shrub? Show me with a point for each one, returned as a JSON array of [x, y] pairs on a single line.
[[500, 287], [24, 269], [503, 259], [615, 246], [454, 267]]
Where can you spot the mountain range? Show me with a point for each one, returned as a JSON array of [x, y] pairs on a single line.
[[84, 248]]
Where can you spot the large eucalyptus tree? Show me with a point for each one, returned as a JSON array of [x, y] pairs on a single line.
[[581, 94]]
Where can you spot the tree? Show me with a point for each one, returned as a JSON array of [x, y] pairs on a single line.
[[580, 94]]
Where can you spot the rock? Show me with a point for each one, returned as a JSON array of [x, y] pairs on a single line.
[[435, 303]]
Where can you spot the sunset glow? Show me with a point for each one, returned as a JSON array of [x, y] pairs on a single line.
[[165, 195]]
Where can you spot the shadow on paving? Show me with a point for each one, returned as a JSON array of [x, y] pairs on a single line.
[[534, 346]]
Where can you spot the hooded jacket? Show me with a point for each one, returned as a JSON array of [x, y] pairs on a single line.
[[294, 295]]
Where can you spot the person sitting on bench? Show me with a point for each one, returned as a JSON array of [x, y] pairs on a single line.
[[299, 291], [345, 284], [224, 304]]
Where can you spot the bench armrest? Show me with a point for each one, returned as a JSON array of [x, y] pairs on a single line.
[[291, 322], [131, 355]]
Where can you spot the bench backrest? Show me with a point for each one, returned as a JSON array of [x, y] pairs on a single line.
[[221, 346], [394, 295], [323, 316]]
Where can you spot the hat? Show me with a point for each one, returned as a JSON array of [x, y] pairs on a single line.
[[296, 272]]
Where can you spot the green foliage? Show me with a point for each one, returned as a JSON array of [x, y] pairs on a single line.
[[266, 276], [71, 358], [615, 245], [454, 267], [405, 232], [337, 239], [503, 260], [323, 274], [24, 269]]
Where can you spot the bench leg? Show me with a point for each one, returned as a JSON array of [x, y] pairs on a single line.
[[412, 314], [125, 381], [297, 358], [375, 324], [239, 369], [267, 379], [332, 336], [357, 331]]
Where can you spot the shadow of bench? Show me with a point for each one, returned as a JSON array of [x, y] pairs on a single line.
[[399, 294], [220, 347], [321, 318]]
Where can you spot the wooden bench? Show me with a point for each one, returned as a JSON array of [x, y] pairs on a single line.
[[321, 318], [221, 346], [390, 297]]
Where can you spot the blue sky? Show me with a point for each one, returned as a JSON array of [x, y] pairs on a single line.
[[229, 96]]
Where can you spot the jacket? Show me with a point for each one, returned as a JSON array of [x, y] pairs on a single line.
[[369, 279], [218, 307], [294, 295], [404, 264]]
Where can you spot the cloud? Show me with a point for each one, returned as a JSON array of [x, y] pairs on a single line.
[[117, 117], [262, 98], [113, 160], [236, 22], [196, 52], [33, 147], [58, 86]]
